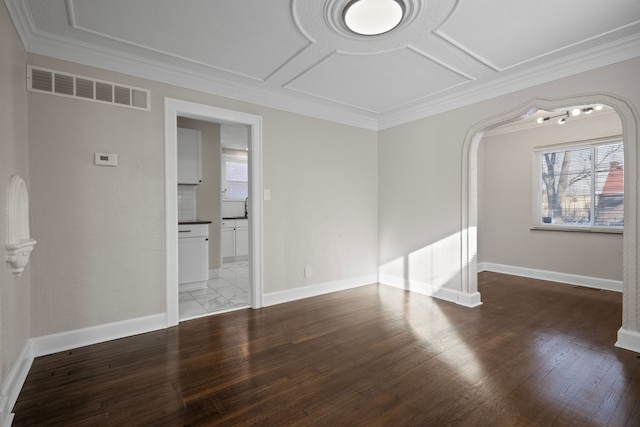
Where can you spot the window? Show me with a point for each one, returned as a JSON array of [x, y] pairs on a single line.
[[580, 186], [235, 178]]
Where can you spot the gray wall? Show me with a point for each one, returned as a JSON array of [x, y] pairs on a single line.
[[505, 188], [101, 229], [420, 172], [15, 311]]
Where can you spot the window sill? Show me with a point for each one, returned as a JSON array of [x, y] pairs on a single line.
[[578, 229]]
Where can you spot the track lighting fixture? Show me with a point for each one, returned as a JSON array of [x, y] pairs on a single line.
[[562, 118]]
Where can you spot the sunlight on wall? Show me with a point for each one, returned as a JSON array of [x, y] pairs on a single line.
[[437, 264], [429, 268]]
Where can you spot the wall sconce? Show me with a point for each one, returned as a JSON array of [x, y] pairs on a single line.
[[19, 243]]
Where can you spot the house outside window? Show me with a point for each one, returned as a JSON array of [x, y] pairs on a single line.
[[580, 186], [235, 178]]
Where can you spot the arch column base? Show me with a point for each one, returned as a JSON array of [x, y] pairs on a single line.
[[628, 340]]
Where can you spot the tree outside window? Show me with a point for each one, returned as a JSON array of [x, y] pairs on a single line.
[[582, 186]]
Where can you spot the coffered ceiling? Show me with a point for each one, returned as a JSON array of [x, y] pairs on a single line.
[[297, 55]]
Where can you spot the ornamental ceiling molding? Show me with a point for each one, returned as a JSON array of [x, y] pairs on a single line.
[[323, 40]]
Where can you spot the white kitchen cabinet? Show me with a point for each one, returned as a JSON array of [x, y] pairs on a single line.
[[235, 238], [242, 237], [228, 242], [193, 253], [189, 156]]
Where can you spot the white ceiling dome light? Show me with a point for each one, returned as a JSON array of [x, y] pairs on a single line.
[[373, 17]]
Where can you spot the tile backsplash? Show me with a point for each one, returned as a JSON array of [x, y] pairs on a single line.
[[187, 207]]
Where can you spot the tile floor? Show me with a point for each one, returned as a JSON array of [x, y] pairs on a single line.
[[226, 293]]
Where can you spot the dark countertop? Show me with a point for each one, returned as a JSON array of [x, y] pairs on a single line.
[[235, 217], [194, 221]]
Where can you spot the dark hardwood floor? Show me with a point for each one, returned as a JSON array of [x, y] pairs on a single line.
[[534, 354]]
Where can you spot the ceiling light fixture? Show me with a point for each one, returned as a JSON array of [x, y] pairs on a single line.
[[373, 17], [565, 115]]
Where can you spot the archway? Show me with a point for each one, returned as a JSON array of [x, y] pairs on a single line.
[[629, 333]]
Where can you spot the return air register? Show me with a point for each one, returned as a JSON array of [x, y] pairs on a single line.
[[43, 80]]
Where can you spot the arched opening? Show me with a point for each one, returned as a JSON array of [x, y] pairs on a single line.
[[628, 335]]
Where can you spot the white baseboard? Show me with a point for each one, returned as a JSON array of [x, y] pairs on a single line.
[[552, 276], [192, 286], [214, 273], [12, 384], [54, 343], [232, 259], [628, 340], [460, 298], [49, 344], [289, 295]]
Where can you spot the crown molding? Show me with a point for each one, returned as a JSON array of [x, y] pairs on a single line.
[[601, 56], [45, 44], [21, 20], [74, 51]]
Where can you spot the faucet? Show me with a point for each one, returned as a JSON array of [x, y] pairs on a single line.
[[246, 207]]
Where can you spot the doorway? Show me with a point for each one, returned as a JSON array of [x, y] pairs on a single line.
[[627, 337], [549, 208], [177, 108]]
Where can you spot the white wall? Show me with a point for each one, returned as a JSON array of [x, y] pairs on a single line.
[[505, 187], [15, 310], [101, 230], [419, 192], [323, 207]]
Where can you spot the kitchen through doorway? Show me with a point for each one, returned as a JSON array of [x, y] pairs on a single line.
[[237, 282], [215, 198]]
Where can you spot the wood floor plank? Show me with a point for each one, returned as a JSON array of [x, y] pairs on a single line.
[[534, 354]]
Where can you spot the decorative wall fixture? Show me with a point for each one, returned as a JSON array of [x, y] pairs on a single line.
[[19, 243]]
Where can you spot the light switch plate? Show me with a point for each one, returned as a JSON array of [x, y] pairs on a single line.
[[267, 194], [106, 159]]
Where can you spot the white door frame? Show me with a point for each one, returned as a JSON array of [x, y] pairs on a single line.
[[174, 108]]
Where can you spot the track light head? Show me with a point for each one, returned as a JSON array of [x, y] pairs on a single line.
[[562, 118]]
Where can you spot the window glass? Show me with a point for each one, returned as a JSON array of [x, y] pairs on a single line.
[[581, 186], [609, 185], [236, 178]]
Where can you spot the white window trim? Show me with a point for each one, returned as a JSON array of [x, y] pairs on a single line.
[[235, 157], [536, 211]]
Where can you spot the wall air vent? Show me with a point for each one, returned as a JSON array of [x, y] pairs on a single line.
[[43, 80]]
